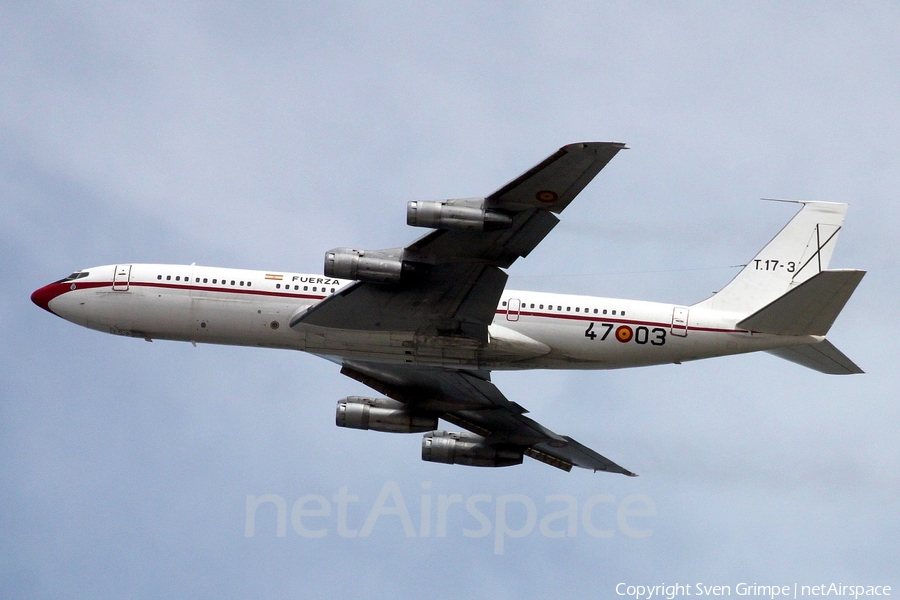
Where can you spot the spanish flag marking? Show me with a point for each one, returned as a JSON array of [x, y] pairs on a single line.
[[624, 333], [274, 277], [547, 196]]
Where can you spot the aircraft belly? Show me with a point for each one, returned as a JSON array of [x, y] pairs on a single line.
[[161, 314], [411, 348], [243, 322], [507, 345], [138, 313]]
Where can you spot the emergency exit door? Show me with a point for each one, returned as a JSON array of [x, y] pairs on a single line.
[[680, 321], [121, 278]]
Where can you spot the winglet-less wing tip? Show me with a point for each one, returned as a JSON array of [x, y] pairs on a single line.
[[623, 472], [554, 182], [579, 145], [620, 144]]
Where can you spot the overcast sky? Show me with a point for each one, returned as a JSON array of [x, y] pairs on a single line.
[[259, 135]]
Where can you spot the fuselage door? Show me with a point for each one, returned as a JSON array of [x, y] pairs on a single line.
[[680, 321], [512, 309], [121, 278]]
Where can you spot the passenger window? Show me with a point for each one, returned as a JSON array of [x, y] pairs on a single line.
[[248, 284], [604, 311], [542, 306], [242, 284], [532, 306], [568, 309], [168, 277], [577, 309], [305, 288], [197, 280], [277, 286], [232, 282], [614, 312], [623, 313], [159, 277], [504, 303], [559, 308], [215, 280], [204, 280], [332, 290], [595, 311]]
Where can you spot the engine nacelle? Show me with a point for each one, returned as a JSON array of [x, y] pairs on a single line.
[[381, 414], [462, 215], [457, 448], [374, 266]]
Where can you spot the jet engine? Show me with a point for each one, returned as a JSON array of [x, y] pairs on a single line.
[[381, 414], [457, 448], [463, 215], [373, 266]]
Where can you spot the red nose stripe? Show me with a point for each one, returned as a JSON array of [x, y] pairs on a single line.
[[44, 295]]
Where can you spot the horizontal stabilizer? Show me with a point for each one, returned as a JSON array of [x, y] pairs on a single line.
[[822, 357], [808, 309]]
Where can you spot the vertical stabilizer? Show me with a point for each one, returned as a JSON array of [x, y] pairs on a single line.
[[801, 250]]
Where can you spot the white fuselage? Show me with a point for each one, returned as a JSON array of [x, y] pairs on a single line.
[[531, 330]]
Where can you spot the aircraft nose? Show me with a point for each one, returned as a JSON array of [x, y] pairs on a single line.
[[43, 296]]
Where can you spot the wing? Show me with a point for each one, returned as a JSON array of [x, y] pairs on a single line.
[[469, 400], [445, 297], [459, 278]]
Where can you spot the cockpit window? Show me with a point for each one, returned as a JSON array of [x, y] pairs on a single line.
[[75, 275]]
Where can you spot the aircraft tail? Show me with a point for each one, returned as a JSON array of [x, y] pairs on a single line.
[[788, 290], [800, 251]]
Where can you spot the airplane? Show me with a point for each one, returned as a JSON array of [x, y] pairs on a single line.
[[425, 325]]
